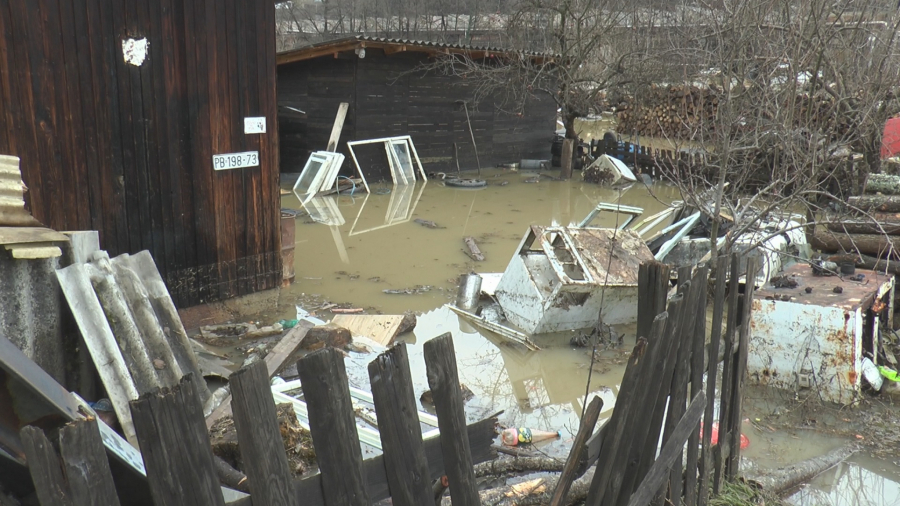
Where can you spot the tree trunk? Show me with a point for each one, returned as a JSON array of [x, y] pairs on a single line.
[[883, 183], [883, 203], [871, 244], [787, 478], [879, 223]]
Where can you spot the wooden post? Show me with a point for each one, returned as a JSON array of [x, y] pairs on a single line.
[[568, 150], [175, 446], [572, 462], [653, 285], [259, 437], [86, 464], [740, 369], [333, 427], [712, 372], [43, 464], [398, 423], [443, 379], [698, 342]]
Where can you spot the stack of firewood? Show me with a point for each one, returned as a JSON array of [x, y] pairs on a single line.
[[673, 111], [869, 232], [683, 111]]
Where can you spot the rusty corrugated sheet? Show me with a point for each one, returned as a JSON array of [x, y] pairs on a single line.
[[12, 190]]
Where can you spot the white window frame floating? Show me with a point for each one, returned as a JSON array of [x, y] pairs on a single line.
[[402, 171], [326, 166]]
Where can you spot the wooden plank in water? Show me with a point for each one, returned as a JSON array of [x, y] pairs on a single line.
[[380, 328]]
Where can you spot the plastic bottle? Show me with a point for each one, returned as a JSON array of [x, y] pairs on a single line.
[[514, 436]]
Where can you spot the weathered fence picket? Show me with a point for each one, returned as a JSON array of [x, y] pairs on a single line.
[[398, 423], [259, 438], [443, 379], [333, 426]]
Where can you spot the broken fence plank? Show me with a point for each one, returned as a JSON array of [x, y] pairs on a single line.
[[653, 287], [86, 464], [678, 396], [175, 446], [259, 438], [712, 372], [696, 374], [727, 366], [578, 447], [398, 424], [281, 355], [740, 369], [617, 432], [674, 323], [626, 471], [443, 379], [44, 465], [671, 450], [332, 423]]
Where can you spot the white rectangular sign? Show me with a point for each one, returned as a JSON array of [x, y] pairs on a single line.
[[236, 160], [255, 125]]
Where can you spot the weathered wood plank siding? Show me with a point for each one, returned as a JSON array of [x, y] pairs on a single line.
[[127, 150], [388, 97]]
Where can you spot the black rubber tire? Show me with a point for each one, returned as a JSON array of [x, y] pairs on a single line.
[[465, 183]]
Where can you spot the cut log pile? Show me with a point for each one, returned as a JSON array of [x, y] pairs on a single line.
[[671, 111], [682, 111], [870, 230]]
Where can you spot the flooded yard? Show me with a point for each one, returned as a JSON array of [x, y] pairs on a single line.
[[368, 251]]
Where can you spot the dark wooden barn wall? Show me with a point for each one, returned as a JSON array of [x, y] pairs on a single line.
[[127, 150], [388, 98]]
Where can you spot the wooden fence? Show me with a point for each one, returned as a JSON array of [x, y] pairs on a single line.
[[665, 371], [179, 461], [662, 400], [658, 163]]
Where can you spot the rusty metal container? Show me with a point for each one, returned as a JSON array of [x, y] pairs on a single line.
[[288, 234], [817, 340]]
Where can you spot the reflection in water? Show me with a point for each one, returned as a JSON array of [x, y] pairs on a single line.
[[860, 481], [381, 242]]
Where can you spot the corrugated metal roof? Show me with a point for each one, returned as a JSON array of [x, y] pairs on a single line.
[[347, 43], [12, 189]]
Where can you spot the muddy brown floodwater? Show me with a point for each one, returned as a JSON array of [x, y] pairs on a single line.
[[351, 248]]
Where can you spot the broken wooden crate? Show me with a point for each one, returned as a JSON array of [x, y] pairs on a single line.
[[561, 277]]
